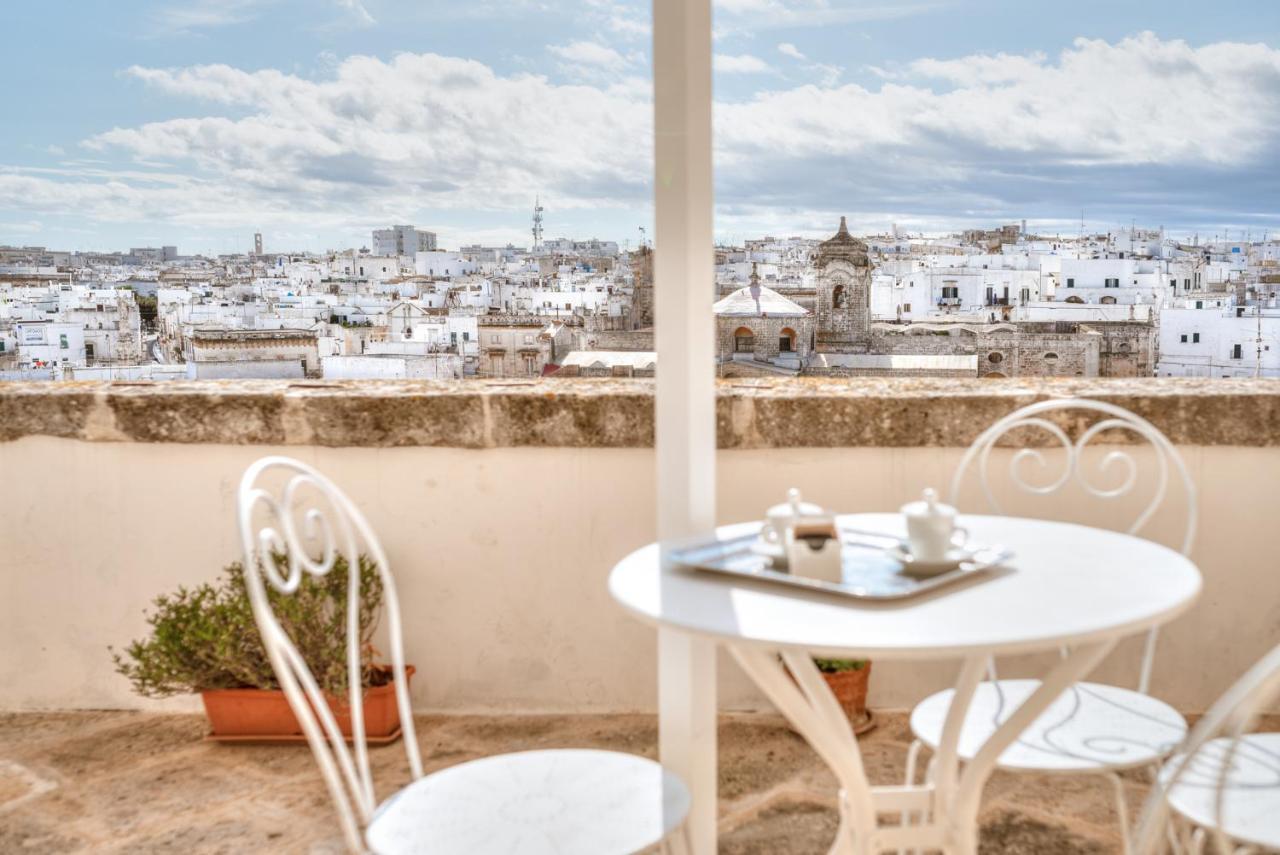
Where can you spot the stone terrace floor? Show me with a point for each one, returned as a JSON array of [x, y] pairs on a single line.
[[141, 783]]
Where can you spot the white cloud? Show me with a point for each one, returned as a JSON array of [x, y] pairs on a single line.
[[358, 12], [1178, 104], [623, 18], [751, 15], [1189, 128], [742, 64], [194, 15], [788, 49], [591, 54]]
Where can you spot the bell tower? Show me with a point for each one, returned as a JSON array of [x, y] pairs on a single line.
[[844, 292]]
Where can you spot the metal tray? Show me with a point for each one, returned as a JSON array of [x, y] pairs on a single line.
[[870, 573]]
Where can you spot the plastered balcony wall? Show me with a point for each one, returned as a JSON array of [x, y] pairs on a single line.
[[504, 505]]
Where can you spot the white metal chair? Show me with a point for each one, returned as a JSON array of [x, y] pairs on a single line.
[[1222, 788], [560, 801], [1092, 728]]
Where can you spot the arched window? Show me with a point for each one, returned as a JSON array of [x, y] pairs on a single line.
[[995, 358], [1108, 300], [837, 297], [1051, 357], [1074, 299], [787, 340], [744, 340]]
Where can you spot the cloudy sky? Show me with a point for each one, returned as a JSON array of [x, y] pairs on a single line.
[[202, 121]]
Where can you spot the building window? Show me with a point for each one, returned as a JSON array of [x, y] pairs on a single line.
[[786, 340], [1184, 338], [837, 297], [495, 339], [995, 358], [62, 341], [1195, 338], [1186, 285], [906, 307], [1071, 283], [744, 341], [528, 339], [1199, 304], [1051, 357], [1237, 352]]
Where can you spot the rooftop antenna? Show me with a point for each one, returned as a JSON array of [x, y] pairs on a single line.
[[537, 223]]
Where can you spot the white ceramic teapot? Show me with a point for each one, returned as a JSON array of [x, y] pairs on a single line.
[[932, 533], [781, 517]]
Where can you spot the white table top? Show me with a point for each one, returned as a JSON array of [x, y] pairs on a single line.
[[1070, 584]]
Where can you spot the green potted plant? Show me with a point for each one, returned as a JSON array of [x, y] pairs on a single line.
[[204, 640], [848, 680]]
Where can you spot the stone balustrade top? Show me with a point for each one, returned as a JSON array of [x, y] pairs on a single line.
[[611, 413]]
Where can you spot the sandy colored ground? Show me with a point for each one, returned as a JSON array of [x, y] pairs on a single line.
[[143, 783]]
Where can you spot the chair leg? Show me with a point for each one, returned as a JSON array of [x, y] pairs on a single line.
[[1122, 812], [907, 817], [678, 843]]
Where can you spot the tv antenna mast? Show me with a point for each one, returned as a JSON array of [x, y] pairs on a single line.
[[537, 223]]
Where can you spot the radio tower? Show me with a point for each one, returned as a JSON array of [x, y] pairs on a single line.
[[537, 224]]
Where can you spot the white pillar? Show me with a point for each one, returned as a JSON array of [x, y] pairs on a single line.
[[684, 275]]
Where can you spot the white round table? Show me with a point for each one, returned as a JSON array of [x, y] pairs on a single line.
[[1067, 587]]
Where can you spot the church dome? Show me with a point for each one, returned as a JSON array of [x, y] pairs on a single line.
[[743, 304], [843, 247]]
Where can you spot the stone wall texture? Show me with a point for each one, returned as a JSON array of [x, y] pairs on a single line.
[[589, 413]]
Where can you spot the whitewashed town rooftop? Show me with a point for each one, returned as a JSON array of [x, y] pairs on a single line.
[[996, 303]]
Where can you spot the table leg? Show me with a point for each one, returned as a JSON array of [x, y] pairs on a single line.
[[796, 687], [962, 810], [687, 726]]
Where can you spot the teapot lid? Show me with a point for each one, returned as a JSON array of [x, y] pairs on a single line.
[[928, 506], [794, 507]]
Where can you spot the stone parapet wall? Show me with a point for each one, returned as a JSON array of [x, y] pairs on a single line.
[[588, 413]]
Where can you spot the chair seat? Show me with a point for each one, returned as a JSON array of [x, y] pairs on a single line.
[[563, 802], [1251, 797], [1090, 728]]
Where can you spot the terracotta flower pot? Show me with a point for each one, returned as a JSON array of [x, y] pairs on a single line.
[[246, 715], [850, 689]]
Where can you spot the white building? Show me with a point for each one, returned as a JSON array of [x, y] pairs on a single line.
[[392, 366], [1219, 339], [402, 240], [42, 344], [443, 265]]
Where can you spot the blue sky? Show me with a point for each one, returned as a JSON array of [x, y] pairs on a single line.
[[198, 123]]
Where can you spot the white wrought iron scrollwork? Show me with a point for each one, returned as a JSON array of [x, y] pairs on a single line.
[[1219, 759], [1073, 468], [304, 529], [1046, 480]]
